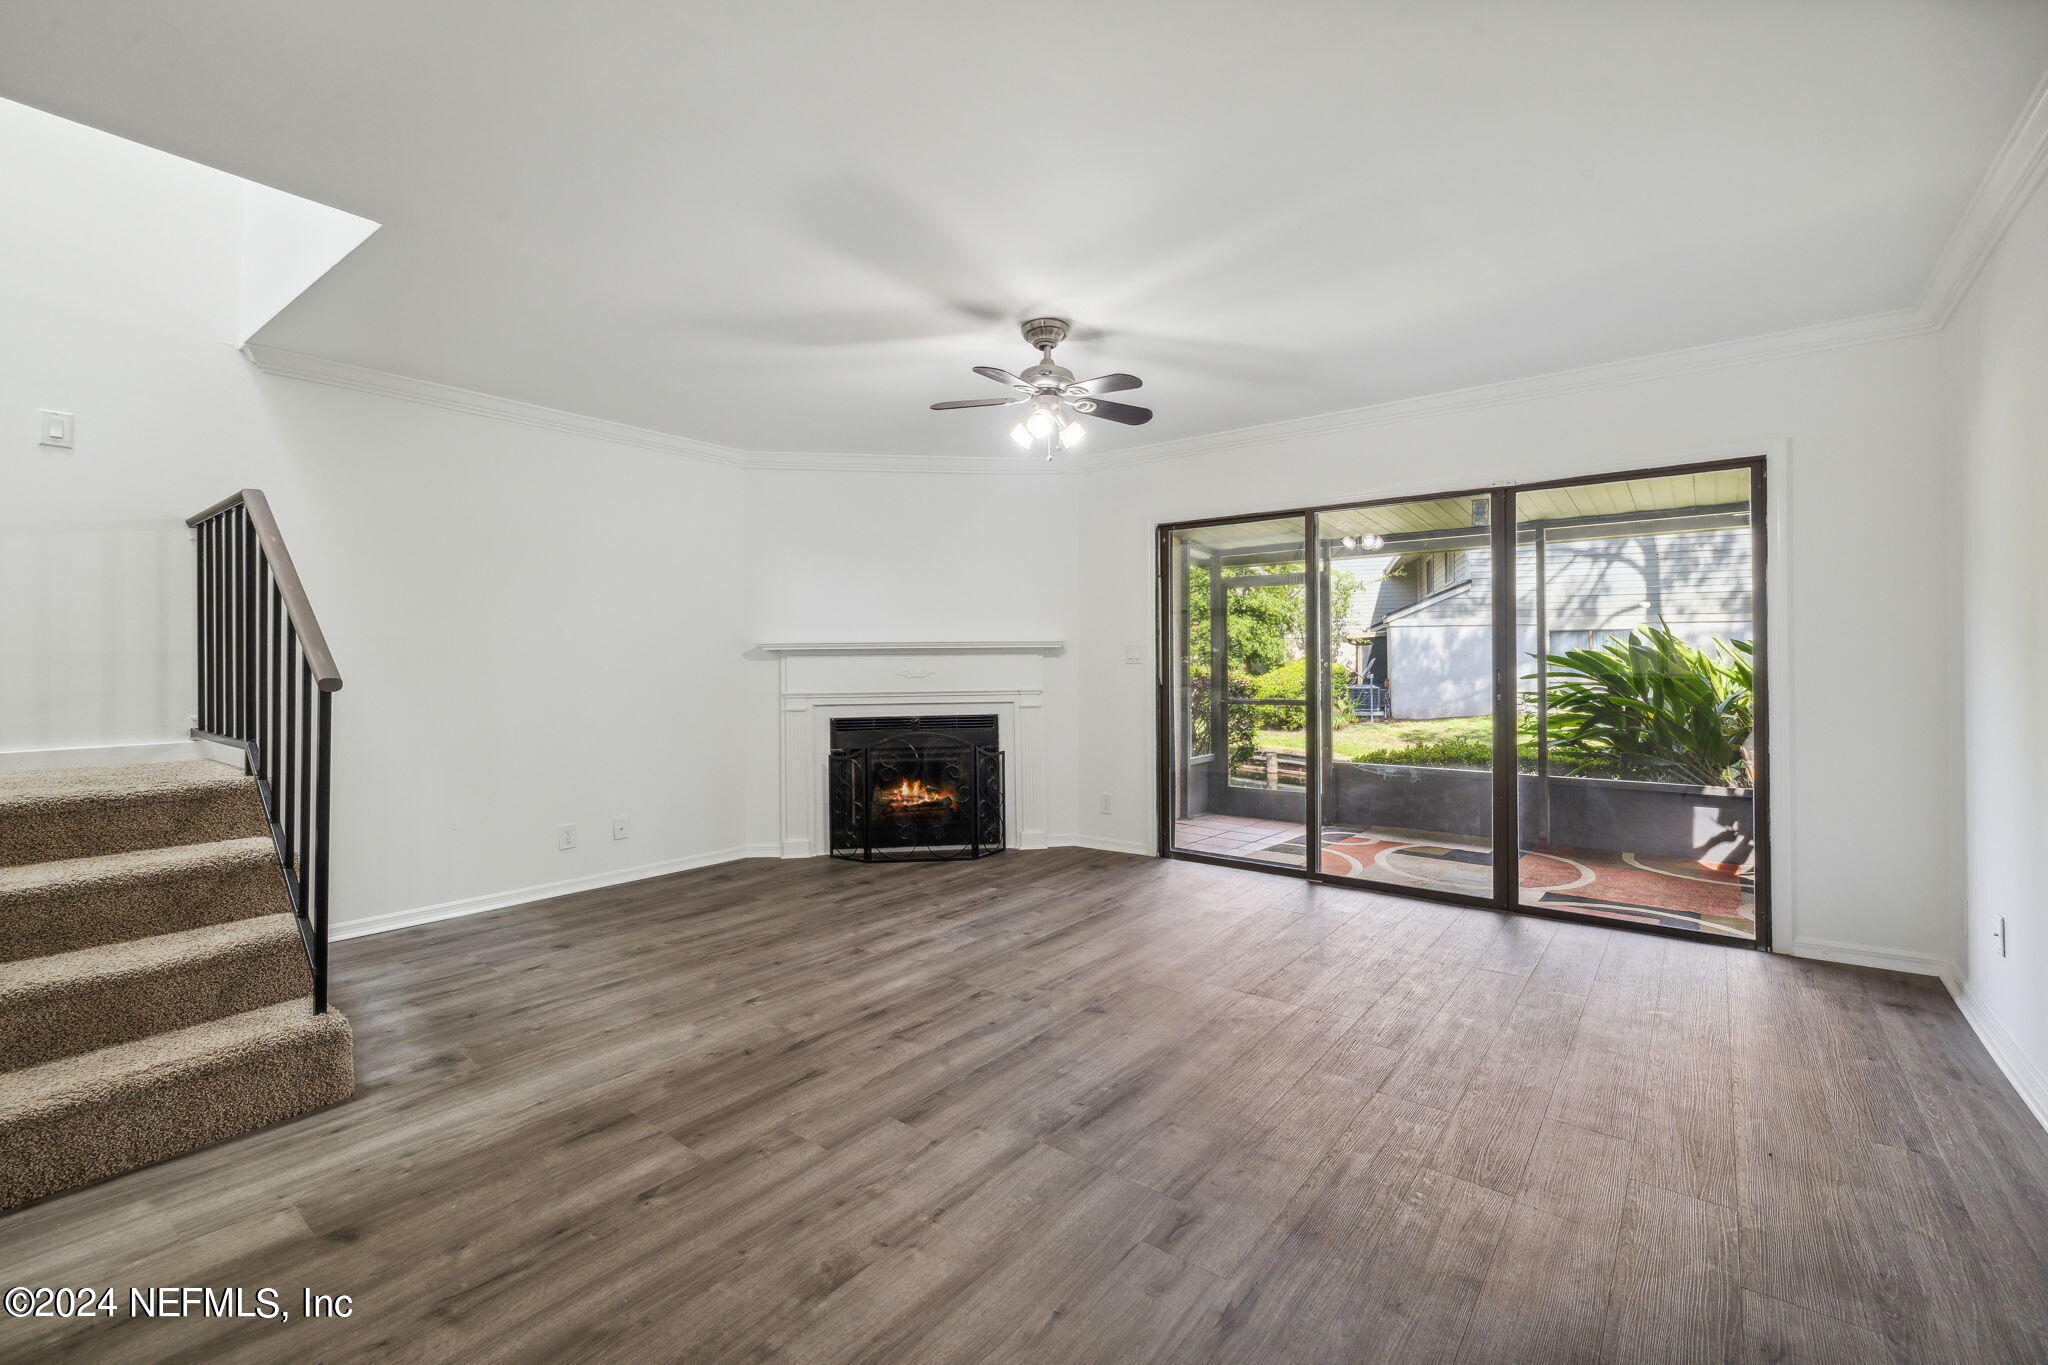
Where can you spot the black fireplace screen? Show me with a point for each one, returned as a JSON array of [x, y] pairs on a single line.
[[907, 788]]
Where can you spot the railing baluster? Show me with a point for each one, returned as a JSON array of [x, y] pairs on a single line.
[[318, 900], [199, 601], [230, 576], [233, 532], [221, 673], [250, 608], [273, 671], [213, 720], [304, 840], [200, 719], [207, 721], [288, 744]]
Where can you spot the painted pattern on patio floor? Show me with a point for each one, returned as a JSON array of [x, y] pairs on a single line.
[[1673, 892]]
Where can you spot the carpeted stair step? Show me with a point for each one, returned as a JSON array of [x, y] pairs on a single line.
[[84, 812], [83, 1118], [60, 907], [98, 997]]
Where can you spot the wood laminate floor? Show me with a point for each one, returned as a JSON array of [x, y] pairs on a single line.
[[1079, 1107]]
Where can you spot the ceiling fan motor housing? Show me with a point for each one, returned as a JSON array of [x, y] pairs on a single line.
[[1045, 333], [1046, 376]]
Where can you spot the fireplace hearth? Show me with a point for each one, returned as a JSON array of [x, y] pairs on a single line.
[[915, 788]]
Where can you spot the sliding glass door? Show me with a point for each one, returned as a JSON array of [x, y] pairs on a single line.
[[1636, 614], [1238, 601], [1407, 667], [1394, 694]]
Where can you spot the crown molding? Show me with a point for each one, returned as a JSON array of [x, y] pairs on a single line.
[[841, 647], [2015, 173], [335, 374], [1034, 466], [1830, 336]]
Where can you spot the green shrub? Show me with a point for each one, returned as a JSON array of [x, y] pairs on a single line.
[[1434, 753], [1242, 740], [1475, 750], [1290, 682], [1650, 705]]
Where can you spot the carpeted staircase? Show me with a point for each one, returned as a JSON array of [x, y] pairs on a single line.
[[154, 996]]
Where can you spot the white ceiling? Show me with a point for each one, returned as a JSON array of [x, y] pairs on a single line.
[[790, 226]]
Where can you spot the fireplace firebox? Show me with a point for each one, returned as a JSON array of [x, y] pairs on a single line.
[[915, 788]]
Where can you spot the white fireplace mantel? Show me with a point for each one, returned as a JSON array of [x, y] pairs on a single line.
[[818, 682]]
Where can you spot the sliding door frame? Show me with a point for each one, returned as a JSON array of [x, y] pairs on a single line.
[[1502, 543]]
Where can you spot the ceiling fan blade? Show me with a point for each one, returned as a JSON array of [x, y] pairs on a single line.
[[1115, 412], [1002, 377], [979, 403], [1108, 383]]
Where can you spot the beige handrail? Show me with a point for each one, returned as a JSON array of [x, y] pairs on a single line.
[[325, 675]]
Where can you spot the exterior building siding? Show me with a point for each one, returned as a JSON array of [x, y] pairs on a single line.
[[1698, 583]]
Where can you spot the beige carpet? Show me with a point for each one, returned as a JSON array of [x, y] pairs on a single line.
[[154, 994]]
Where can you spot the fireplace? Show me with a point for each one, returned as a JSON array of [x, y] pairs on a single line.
[[911, 788]]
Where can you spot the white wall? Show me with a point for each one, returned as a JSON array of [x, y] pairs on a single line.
[[1996, 354], [534, 628], [1856, 496]]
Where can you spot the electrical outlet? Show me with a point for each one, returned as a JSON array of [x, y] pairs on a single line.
[[1105, 803], [619, 827], [2000, 935], [565, 837]]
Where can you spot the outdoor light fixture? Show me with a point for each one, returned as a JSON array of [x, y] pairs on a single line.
[[1367, 542]]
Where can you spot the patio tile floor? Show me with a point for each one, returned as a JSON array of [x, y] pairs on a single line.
[[1596, 883]]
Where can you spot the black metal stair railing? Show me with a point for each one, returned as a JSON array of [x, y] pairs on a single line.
[[266, 685]]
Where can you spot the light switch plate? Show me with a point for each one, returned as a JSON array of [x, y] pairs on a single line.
[[55, 429]]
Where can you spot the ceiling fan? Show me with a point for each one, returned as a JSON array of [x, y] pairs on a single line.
[[1055, 396]]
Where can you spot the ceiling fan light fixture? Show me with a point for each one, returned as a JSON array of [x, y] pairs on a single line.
[[1055, 396]]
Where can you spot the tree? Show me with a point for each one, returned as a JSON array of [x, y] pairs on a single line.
[[1265, 624], [1265, 628]]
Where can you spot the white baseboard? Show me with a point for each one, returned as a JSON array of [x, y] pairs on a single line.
[[2023, 1071], [1142, 849], [500, 900], [108, 755], [1864, 955]]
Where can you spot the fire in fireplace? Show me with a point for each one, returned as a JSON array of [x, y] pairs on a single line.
[[911, 798], [909, 788]]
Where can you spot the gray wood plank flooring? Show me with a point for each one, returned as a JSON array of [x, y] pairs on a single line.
[[1072, 1106]]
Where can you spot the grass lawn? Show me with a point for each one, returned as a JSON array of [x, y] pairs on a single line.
[[1385, 741], [1455, 742]]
